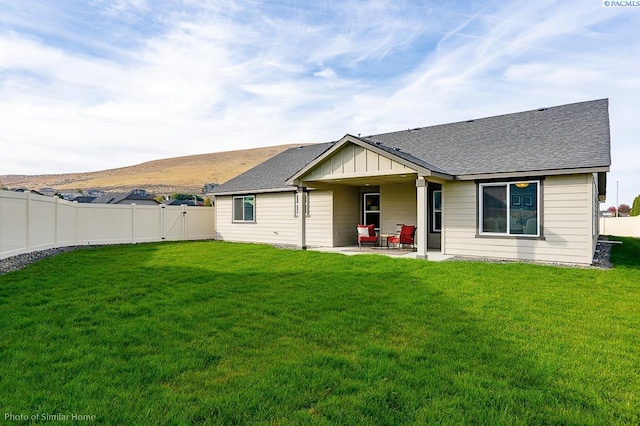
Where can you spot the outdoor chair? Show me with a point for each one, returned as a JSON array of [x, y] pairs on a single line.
[[406, 236], [531, 228], [490, 225], [367, 234]]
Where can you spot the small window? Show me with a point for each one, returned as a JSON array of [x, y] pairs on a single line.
[[510, 208], [244, 208], [436, 222], [296, 203]]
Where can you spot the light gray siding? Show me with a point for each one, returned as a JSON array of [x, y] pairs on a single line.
[[346, 215], [275, 221], [319, 223], [397, 206], [567, 227]]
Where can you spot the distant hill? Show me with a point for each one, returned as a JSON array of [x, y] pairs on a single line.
[[180, 174]]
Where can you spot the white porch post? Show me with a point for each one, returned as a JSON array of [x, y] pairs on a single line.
[[302, 219], [422, 231]]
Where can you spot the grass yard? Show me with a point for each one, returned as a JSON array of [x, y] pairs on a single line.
[[221, 333]]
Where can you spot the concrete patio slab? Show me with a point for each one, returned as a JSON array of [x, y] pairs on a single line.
[[433, 255]]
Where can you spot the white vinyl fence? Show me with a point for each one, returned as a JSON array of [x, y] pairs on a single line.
[[31, 222], [620, 226]]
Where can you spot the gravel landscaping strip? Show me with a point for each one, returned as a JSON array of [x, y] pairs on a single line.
[[15, 263]]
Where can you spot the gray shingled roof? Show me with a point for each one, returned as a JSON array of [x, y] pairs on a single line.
[[273, 173], [116, 197], [563, 137]]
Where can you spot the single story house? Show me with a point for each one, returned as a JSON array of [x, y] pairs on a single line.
[[524, 186]]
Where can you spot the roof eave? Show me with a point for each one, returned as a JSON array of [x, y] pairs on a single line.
[[255, 191], [525, 173]]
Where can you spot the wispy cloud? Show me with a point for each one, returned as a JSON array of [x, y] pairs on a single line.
[[111, 83]]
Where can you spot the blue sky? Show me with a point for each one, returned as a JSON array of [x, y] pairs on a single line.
[[97, 84]]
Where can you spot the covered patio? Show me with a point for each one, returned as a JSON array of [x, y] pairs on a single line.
[[371, 186]]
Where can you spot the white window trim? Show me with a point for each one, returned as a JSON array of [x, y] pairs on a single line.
[[434, 211], [508, 185], [365, 211], [233, 209], [296, 199]]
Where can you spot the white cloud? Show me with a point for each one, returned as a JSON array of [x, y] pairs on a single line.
[[204, 77]]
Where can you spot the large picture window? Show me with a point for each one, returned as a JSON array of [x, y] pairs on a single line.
[[510, 208], [244, 208]]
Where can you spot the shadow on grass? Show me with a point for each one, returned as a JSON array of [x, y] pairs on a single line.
[[270, 339], [353, 346], [626, 254]]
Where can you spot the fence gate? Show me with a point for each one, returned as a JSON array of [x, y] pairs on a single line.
[[174, 221]]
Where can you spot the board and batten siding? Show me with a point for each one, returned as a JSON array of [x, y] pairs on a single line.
[[355, 161], [275, 221], [566, 217]]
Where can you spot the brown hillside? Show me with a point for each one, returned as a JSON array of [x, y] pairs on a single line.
[[180, 174]]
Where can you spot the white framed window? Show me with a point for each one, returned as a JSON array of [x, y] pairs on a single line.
[[244, 208], [436, 220], [596, 206], [296, 206], [509, 208], [371, 209]]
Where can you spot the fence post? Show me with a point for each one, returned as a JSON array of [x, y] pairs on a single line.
[[184, 222], [134, 222], [55, 222], [28, 239], [75, 223]]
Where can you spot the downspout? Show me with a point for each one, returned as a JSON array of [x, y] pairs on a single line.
[[302, 218]]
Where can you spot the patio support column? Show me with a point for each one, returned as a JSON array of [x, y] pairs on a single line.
[[302, 218], [422, 231]]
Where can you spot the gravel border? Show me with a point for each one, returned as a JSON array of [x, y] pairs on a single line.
[[15, 263]]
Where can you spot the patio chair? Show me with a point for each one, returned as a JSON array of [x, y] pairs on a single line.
[[531, 228], [367, 234], [406, 236]]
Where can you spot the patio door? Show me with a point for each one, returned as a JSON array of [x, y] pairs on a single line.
[[371, 209]]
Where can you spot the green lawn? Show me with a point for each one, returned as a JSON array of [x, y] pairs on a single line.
[[221, 333]]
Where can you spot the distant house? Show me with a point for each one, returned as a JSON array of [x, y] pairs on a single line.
[[209, 188], [139, 192], [524, 186], [84, 199], [49, 192], [94, 193], [136, 196], [180, 203], [69, 195], [33, 191]]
